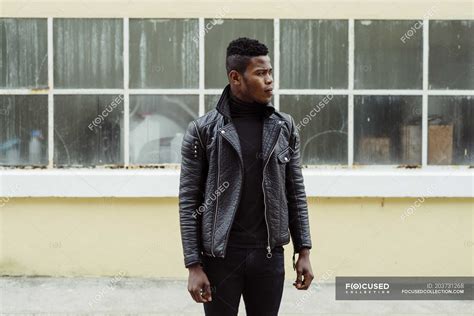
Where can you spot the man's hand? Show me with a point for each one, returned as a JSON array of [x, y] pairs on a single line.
[[303, 268], [198, 284]]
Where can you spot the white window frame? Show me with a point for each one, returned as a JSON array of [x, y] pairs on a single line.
[[362, 181]]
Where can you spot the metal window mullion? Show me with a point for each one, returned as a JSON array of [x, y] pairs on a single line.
[[201, 66], [312, 91], [80, 91], [276, 64], [164, 91], [350, 97], [449, 92], [424, 112], [50, 94], [126, 95]]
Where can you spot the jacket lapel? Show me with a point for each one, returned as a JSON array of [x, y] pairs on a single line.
[[271, 130]]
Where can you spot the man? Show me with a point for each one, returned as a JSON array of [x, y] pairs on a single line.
[[242, 193]]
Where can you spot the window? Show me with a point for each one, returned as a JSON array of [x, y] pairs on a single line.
[[120, 92], [88, 53], [157, 125], [24, 53], [451, 55], [387, 130], [23, 130], [322, 124], [164, 53], [384, 58], [451, 130], [322, 45], [88, 130]]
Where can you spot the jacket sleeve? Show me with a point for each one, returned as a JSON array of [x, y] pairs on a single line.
[[191, 193], [296, 196]]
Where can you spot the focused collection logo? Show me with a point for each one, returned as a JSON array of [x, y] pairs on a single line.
[[367, 288]]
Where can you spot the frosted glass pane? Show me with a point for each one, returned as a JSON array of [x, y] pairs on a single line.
[[23, 53], [219, 33], [313, 54], [387, 130], [451, 56], [164, 53], [451, 130], [23, 130], [210, 102], [88, 130], [157, 126], [384, 58], [88, 53], [322, 123]]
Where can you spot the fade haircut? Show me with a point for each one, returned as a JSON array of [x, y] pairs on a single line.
[[240, 51]]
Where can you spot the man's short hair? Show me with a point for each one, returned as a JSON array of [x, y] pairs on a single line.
[[240, 51]]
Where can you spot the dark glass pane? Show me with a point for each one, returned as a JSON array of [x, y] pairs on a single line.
[[451, 130], [451, 55], [88, 130], [386, 57], [322, 124], [23, 130], [387, 130]]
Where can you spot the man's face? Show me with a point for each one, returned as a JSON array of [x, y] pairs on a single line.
[[257, 81]]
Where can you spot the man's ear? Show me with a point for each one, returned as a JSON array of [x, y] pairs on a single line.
[[235, 78]]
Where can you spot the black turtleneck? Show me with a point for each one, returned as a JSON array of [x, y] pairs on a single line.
[[249, 227]]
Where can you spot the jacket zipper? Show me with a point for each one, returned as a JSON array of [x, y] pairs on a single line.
[[269, 248], [219, 139]]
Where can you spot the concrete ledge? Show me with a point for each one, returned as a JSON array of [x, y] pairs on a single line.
[[319, 182]]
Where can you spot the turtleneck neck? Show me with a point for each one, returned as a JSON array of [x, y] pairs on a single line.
[[239, 108]]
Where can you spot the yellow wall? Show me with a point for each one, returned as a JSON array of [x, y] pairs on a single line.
[[140, 237], [329, 9]]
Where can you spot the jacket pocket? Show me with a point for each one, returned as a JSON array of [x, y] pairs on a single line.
[[285, 155]]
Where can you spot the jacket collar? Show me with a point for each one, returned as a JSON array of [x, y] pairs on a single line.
[[270, 133], [223, 105]]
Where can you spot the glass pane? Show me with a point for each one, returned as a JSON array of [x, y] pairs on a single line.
[[219, 33], [322, 123], [164, 53], [88, 53], [210, 102], [387, 130], [313, 54], [23, 53], [388, 54], [88, 130], [157, 126], [23, 130], [451, 130], [451, 55]]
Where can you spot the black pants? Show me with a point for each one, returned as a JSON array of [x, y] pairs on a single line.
[[247, 272]]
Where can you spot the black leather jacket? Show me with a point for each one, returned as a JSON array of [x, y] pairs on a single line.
[[211, 180]]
